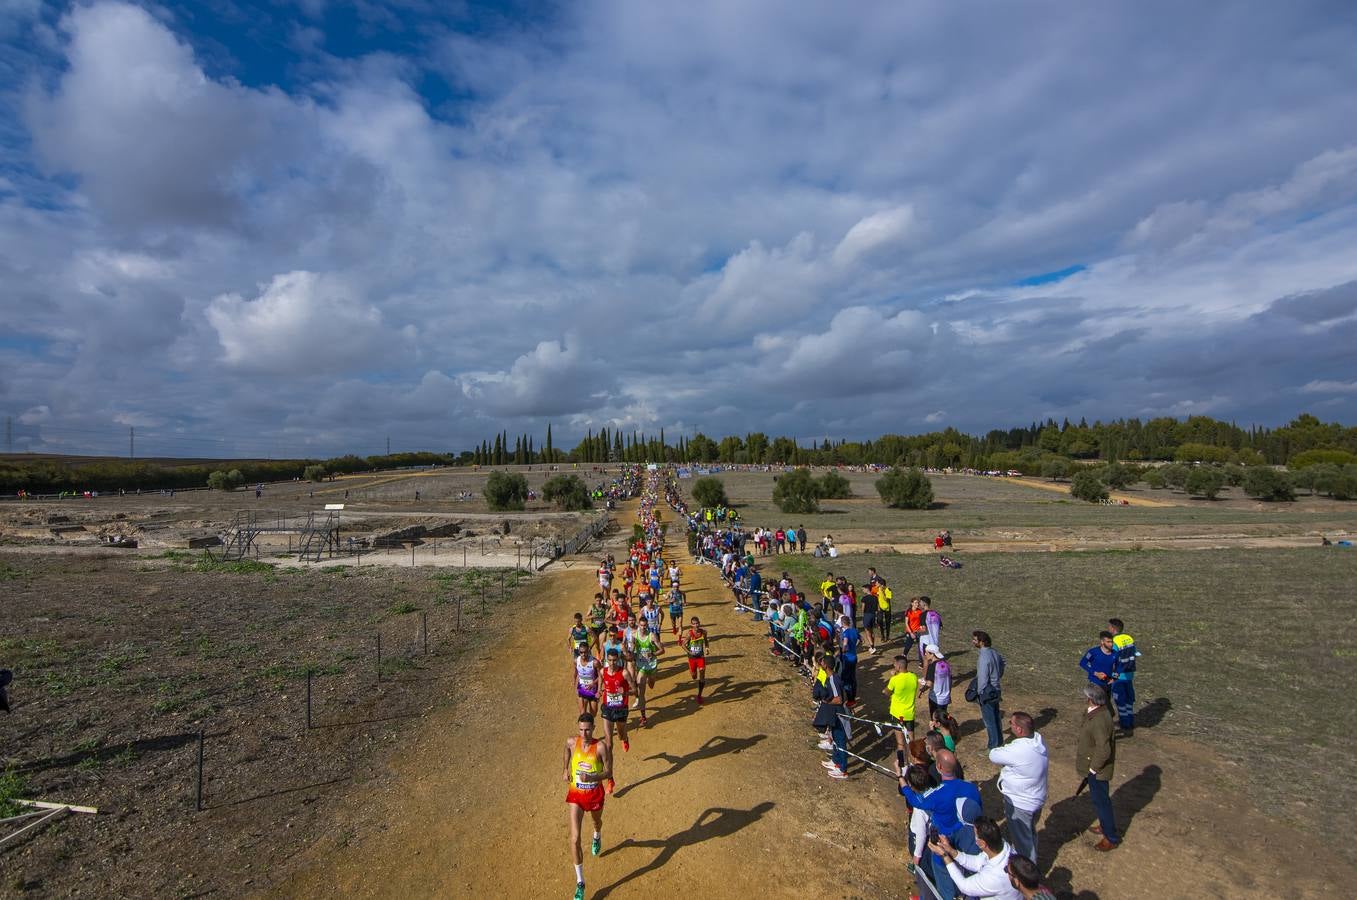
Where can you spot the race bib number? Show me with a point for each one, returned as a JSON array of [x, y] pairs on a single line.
[[613, 698]]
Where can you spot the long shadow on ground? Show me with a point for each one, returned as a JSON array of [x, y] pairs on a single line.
[[715, 746], [715, 822], [1072, 816]]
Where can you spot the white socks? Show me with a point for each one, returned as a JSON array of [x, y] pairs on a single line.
[[579, 874]]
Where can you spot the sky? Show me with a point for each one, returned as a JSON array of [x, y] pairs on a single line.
[[308, 228]]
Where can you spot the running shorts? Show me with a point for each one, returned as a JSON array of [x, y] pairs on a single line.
[[586, 693], [615, 713], [696, 664], [589, 799]]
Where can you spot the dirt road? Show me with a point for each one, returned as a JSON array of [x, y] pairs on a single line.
[[729, 800]]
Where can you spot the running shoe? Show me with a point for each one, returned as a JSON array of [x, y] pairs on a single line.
[[643, 721], [825, 745], [635, 703], [837, 773], [699, 701], [626, 746], [596, 846], [579, 891], [829, 764]]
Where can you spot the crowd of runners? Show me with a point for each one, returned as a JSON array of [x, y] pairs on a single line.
[[956, 846], [616, 647]]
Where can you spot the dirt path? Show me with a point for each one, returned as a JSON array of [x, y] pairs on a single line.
[[1116, 496], [729, 800]]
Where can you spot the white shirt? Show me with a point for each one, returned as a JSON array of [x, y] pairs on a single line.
[[1023, 779], [989, 880]]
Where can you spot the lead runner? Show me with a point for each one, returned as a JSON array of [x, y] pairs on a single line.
[[587, 764]]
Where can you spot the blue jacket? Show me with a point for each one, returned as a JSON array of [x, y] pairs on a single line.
[[944, 803], [1095, 661], [1125, 647]]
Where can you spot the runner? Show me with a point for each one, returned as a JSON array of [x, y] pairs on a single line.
[[617, 684], [598, 622], [653, 615], [649, 649], [587, 763], [694, 640], [579, 636], [870, 606], [676, 601], [674, 575], [605, 576], [587, 669]]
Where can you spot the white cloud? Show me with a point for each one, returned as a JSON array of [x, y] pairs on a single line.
[[876, 231], [301, 322], [1329, 387]]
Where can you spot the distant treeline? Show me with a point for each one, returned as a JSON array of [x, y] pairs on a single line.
[[53, 475], [1302, 442], [1196, 439]]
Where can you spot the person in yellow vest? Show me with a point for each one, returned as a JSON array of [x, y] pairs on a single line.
[[588, 765]]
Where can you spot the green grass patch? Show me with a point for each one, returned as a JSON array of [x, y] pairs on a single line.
[[9, 573], [404, 607], [12, 787]]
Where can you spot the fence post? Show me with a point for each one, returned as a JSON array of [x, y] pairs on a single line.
[[308, 698], [425, 631], [482, 598], [412, 556], [501, 589], [199, 799], [459, 612], [464, 556], [379, 657]]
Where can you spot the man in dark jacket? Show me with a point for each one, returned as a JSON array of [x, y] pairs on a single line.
[[1095, 758]]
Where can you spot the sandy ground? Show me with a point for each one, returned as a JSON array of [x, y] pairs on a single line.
[[729, 800], [1115, 496]]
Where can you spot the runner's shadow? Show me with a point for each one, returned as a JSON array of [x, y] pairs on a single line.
[[1154, 712], [715, 822], [715, 746], [1072, 816]]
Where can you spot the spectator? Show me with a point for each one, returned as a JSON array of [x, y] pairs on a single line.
[[1100, 662], [1095, 758], [1024, 875], [946, 804], [849, 639], [938, 680], [1123, 689], [990, 864], [1022, 781], [989, 670], [801, 537], [827, 716]]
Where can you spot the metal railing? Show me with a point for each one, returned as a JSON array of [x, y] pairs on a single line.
[[547, 551]]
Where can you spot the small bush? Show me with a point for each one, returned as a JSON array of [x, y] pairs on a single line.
[[314, 473], [905, 489], [1118, 477], [834, 486], [504, 491], [797, 492], [1154, 478], [1175, 475], [1234, 474], [1204, 481], [1266, 483], [221, 480], [1056, 469], [1086, 486], [568, 492], [710, 492]]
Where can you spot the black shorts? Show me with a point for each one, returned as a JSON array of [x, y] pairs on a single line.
[[615, 713], [868, 618]]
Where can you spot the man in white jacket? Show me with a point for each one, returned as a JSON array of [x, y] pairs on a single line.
[[990, 865], [1022, 782]]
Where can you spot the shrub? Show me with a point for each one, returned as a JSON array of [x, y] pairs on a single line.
[[1205, 481], [710, 492], [504, 491], [1154, 478], [1056, 469], [797, 492], [834, 486], [1118, 477], [1266, 483], [905, 489], [1175, 476], [1086, 486], [567, 492], [225, 481], [1318, 457], [314, 473], [1234, 475]]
